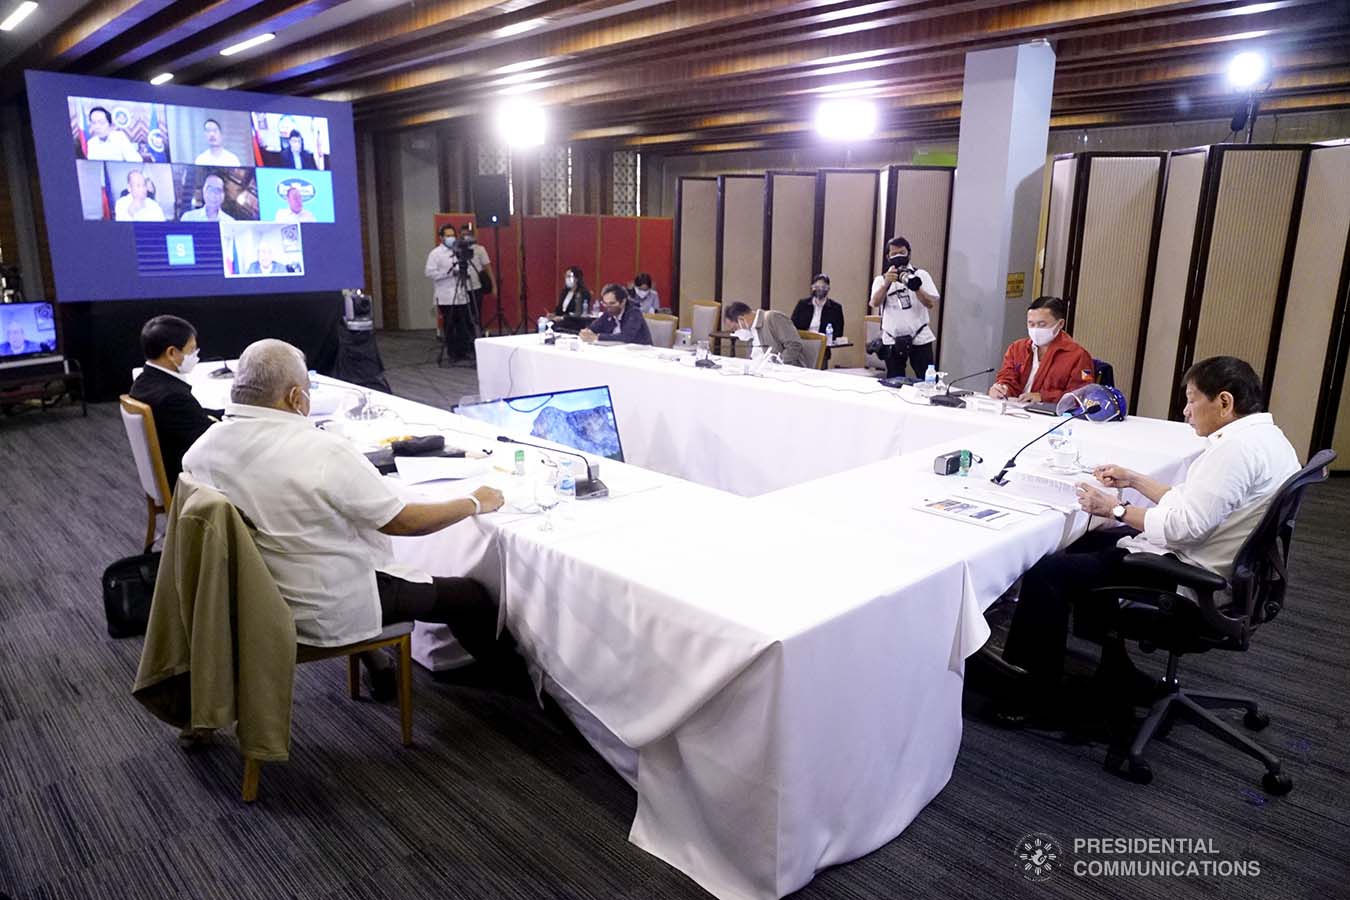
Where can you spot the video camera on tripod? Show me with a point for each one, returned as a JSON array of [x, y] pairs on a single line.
[[463, 250]]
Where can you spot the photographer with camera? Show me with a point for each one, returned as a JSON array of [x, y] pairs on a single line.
[[905, 295], [453, 272]]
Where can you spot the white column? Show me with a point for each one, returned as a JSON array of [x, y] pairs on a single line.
[[1005, 122]]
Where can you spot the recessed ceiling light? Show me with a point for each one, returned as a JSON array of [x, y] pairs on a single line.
[[244, 45], [162, 77], [21, 12]]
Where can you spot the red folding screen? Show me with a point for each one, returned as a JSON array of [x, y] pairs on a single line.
[[619, 256], [656, 247], [543, 275], [608, 248]]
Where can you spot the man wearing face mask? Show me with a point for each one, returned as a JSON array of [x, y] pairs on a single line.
[[905, 296], [322, 515], [767, 330], [1046, 364], [818, 311], [170, 347], [454, 294], [620, 321]]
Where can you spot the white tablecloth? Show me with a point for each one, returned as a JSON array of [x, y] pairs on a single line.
[[787, 668]]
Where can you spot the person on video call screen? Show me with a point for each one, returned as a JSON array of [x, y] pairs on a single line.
[[137, 205], [294, 210], [213, 194], [215, 154], [265, 264]]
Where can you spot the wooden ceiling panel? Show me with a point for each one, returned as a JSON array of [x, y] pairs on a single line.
[[695, 75]]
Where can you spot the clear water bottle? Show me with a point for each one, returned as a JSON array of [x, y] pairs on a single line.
[[1064, 451], [930, 376], [567, 484], [313, 382], [829, 335], [542, 324]]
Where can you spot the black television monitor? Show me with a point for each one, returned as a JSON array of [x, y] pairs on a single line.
[[27, 333], [167, 192], [582, 419]]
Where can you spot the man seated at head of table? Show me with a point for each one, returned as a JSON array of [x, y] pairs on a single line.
[[322, 515], [767, 330], [1047, 363], [621, 320], [1202, 521], [171, 352]]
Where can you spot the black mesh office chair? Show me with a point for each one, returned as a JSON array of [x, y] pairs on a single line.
[[1160, 619], [1103, 373]]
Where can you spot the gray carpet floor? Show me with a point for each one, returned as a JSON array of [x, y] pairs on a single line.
[[499, 798]]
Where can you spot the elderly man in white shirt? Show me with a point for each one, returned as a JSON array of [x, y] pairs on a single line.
[[1203, 521], [322, 515]]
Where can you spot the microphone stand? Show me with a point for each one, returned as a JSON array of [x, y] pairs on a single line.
[[593, 487], [1001, 481], [946, 398]]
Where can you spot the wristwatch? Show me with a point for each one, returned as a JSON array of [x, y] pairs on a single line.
[[477, 507], [1118, 512]]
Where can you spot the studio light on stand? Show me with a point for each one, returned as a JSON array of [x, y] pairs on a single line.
[[846, 119], [1249, 74], [521, 124]]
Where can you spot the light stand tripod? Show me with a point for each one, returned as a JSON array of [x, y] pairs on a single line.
[[499, 324]]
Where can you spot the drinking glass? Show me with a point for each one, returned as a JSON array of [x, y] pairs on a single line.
[[546, 495]]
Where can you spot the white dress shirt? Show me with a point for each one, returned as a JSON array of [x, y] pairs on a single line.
[[179, 375], [285, 215], [898, 321], [116, 147], [317, 505], [149, 211], [817, 305], [218, 156], [1205, 519], [1035, 365]]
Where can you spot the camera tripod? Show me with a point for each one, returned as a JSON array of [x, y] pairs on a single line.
[[462, 289]]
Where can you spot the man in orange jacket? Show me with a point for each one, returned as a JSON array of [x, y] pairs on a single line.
[[1046, 364]]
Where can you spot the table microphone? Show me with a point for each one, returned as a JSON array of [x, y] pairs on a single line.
[[1012, 460], [946, 398], [591, 489]]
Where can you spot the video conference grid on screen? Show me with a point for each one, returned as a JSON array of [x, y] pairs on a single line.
[[153, 162], [206, 191]]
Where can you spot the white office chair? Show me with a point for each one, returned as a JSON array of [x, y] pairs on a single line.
[[705, 318], [139, 423], [662, 328]]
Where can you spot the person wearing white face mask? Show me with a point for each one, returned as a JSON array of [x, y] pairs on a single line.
[[1047, 363], [767, 330], [171, 352], [649, 301], [575, 298]]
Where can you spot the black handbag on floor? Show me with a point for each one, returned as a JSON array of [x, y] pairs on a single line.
[[128, 587]]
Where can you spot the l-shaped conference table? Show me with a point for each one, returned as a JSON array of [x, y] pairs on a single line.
[[757, 628]]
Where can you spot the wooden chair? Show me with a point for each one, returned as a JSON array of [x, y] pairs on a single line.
[[662, 328], [814, 340], [399, 635], [139, 423]]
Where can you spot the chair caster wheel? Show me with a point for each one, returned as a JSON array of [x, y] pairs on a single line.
[[1256, 720], [1277, 784], [1139, 772]]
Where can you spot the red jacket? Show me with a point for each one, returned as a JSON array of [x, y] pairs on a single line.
[[1065, 365]]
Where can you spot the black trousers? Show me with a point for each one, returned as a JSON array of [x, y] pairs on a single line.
[[460, 603], [1062, 583], [460, 330], [920, 358]]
